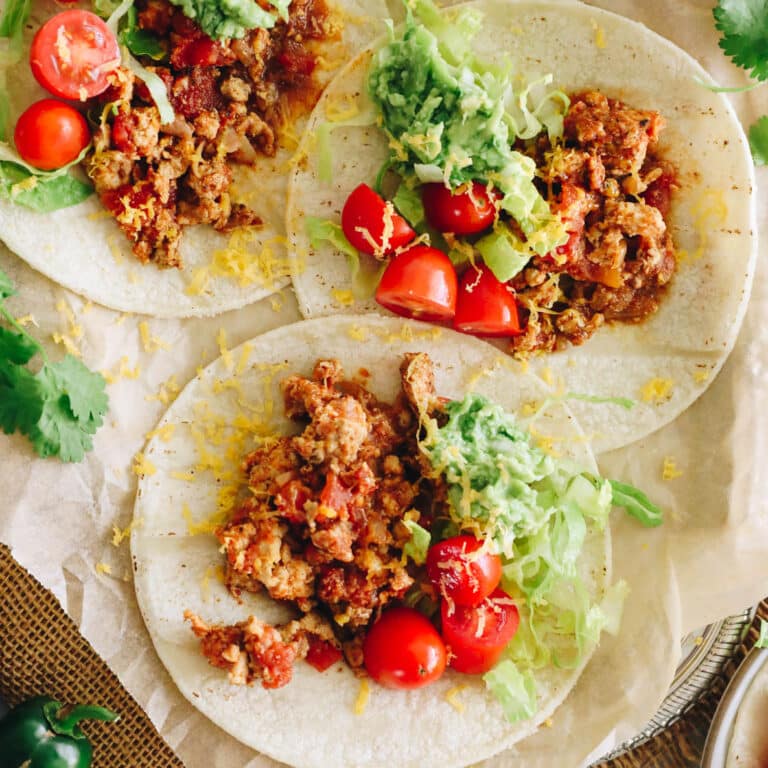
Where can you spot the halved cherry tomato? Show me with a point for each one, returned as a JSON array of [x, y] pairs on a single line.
[[404, 650], [463, 213], [420, 282], [73, 53], [460, 573], [364, 220], [476, 637], [485, 306], [50, 134]]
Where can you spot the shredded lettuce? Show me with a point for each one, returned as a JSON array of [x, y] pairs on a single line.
[[323, 230], [408, 203], [537, 511], [42, 191], [450, 119], [416, 547], [515, 691], [12, 23], [502, 253], [155, 86], [636, 504], [139, 41]]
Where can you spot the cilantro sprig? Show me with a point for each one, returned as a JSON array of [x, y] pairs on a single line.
[[743, 25], [60, 407]]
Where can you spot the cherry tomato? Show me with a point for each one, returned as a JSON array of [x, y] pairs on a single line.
[[463, 213], [460, 575], [420, 282], [50, 134], [73, 53], [367, 212], [485, 306], [476, 637], [403, 650]]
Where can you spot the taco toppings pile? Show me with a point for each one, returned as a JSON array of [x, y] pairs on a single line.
[[174, 95], [409, 537], [508, 211]]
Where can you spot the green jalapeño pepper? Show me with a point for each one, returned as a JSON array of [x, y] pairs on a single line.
[[43, 733]]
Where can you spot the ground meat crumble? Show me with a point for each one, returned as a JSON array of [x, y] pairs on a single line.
[[322, 526], [613, 192], [230, 99]]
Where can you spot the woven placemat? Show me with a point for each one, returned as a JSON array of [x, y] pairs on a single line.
[[42, 652]]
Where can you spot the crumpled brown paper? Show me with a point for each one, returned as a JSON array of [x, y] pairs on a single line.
[[66, 523]]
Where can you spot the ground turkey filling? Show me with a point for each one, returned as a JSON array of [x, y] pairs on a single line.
[[613, 192], [322, 527], [230, 98]]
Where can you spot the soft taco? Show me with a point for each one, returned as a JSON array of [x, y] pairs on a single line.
[[194, 489], [613, 190], [187, 115]]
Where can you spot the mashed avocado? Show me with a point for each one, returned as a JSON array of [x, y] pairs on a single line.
[[451, 119], [231, 18]]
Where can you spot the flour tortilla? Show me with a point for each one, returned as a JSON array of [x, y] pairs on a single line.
[[311, 722], [713, 216], [83, 249]]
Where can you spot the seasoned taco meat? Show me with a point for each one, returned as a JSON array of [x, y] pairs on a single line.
[[613, 192], [322, 524], [230, 98]]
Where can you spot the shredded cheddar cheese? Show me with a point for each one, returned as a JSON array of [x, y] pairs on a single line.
[[168, 391], [65, 340], [362, 697], [452, 697], [104, 568], [143, 466], [343, 297], [669, 470], [27, 320], [657, 390], [188, 477], [709, 212], [165, 433], [599, 35], [148, 341], [119, 535], [700, 376]]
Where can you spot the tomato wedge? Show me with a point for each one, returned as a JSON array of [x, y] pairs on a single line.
[[49, 134], [73, 53], [372, 225], [476, 636], [460, 573], [403, 650], [485, 306], [466, 212], [420, 282]]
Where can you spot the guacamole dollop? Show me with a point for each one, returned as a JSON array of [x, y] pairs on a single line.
[[232, 18]]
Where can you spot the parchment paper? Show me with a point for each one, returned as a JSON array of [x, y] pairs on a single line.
[[61, 520]]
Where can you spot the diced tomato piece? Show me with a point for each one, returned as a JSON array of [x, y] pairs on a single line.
[[659, 193], [322, 654]]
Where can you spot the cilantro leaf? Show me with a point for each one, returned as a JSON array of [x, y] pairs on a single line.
[[744, 27], [20, 398], [17, 347], [6, 286], [758, 140], [58, 433], [84, 390]]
